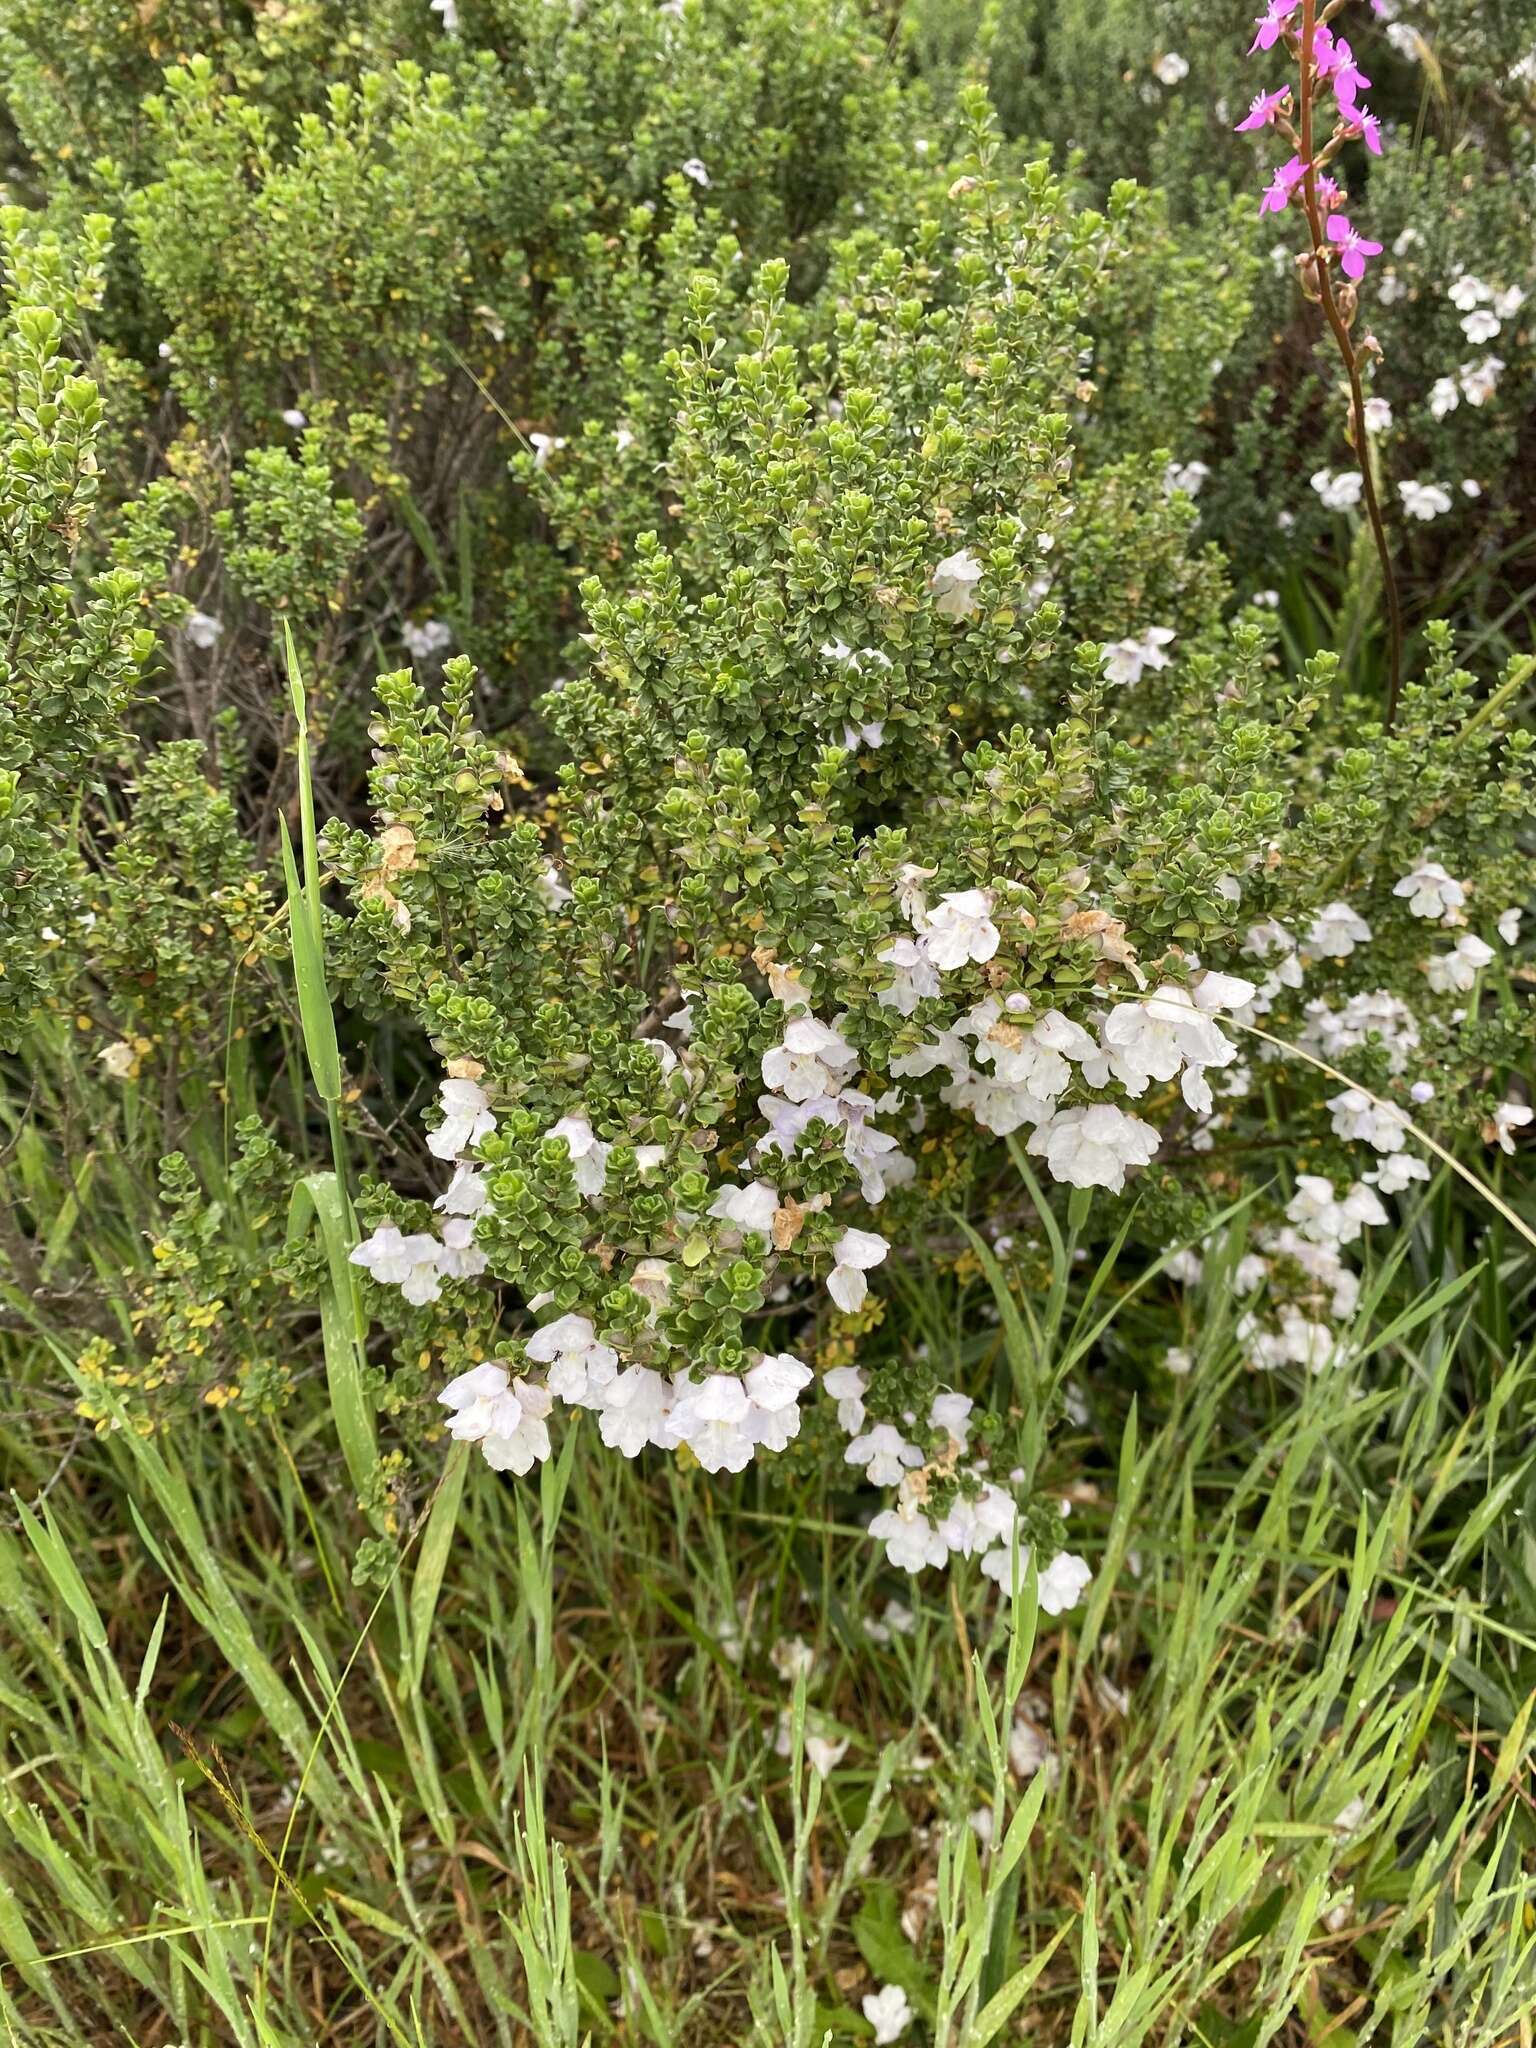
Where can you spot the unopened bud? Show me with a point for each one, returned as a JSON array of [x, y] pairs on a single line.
[[1347, 299], [1306, 276]]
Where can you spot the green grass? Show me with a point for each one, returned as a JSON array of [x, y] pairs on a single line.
[[530, 1790]]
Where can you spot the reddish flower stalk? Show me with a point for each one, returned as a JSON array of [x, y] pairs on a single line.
[[1325, 59]]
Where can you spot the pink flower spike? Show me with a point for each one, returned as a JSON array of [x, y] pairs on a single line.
[[1353, 248], [1277, 196], [1363, 122], [1272, 24], [1263, 110]]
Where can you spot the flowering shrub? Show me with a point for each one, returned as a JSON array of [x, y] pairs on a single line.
[[863, 842]]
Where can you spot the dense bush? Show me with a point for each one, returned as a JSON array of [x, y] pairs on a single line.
[[809, 846]]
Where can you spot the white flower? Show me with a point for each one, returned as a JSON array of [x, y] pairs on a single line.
[[1063, 1582], [1481, 326], [884, 1453], [1456, 971], [1152, 1039], [953, 584], [1378, 415], [792, 1657], [449, 10], [1431, 892], [1479, 381], [465, 1194], [409, 1263], [1357, 1117], [1508, 303], [952, 1413], [847, 1386], [292, 417], [888, 2012], [1188, 477], [1171, 68], [1509, 925], [1470, 487], [589, 1155], [635, 1408], [710, 1416], [1338, 493], [1444, 396], [204, 630], [505, 1417], [1508, 1118], [1396, 1172], [774, 1386], [1424, 501], [961, 929], [422, 641], [750, 1208], [458, 1256], [1124, 661], [1467, 292], [813, 1060], [119, 1060], [652, 1281], [1336, 931], [694, 168], [1091, 1148], [1319, 1216], [1029, 1751], [914, 975], [466, 1120], [579, 1367], [855, 1252], [910, 1539], [1178, 1361], [1215, 991]]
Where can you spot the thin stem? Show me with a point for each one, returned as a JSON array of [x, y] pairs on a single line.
[[1351, 360]]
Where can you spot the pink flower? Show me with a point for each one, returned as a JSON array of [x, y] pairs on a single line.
[[1329, 194], [1335, 60], [1277, 196], [1272, 24], [1265, 106], [1363, 122], [1353, 248]]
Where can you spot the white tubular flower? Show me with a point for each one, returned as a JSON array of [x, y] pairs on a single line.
[[1424, 501], [1361, 1120], [694, 168], [1213, 992], [953, 584], [910, 898], [889, 2012], [711, 1416], [1152, 1039], [204, 630], [589, 1155], [952, 1414], [884, 1453], [1444, 396], [961, 929], [430, 637], [855, 1252], [1501, 1127], [913, 976], [774, 1386], [1092, 1148], [1509, 925], [465, 1195], [1398, 1171], [812, 1060], [504, 1416], [409, 1263], [911, 1541], [458, 1256], [466, 1120], [1336, 931], [1339, 493], [1319, 1216], [974, 1526], [1455, 972], [635, 1407], [750, 1209], [1479, 381], [579, 1367], [1431, 892], [652, 1281], [1060, 1586], [847, 1386], [1125, 661]]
